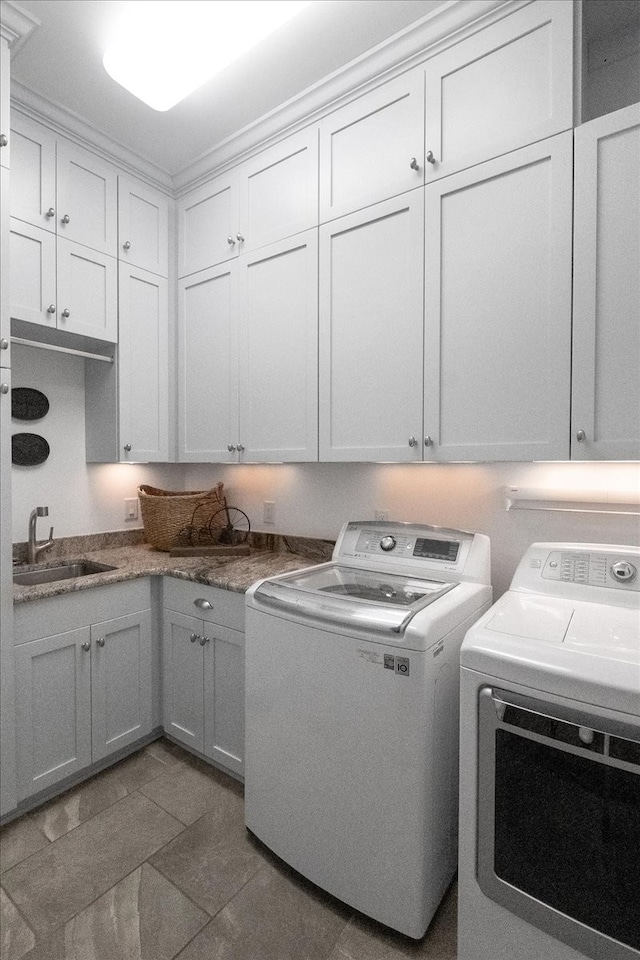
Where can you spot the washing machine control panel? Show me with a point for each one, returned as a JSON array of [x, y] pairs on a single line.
[[591, 569]]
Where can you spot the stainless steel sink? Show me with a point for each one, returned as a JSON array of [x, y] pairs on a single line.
[[64, 571]]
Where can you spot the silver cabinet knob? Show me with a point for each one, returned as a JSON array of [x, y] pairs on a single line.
[[101, 641], [51, 212], [66, 218], [126, 245], [4, 344], [413, 442], [413, 163], [428, 441], [240, 447], [430, 157], [4, 140], [203, 604], [239, 238], [231, 447], [581, 436], [193, 637], [231, 241], [86, 646], [127, 448], [4, 388], [203, 640], [66, 313], [51, 308]]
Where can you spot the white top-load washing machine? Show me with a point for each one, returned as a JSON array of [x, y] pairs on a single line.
[[550, 762], [352, 699]]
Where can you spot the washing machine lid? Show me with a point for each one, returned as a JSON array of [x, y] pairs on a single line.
[[355, 598]]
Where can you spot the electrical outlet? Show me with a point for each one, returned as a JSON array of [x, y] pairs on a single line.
[[269, 511], [381, 515], [131, 508]]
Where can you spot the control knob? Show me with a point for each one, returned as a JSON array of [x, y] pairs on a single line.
[[387, 543], [623, 572]]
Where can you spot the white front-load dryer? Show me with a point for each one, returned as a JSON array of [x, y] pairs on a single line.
[[549, 856]]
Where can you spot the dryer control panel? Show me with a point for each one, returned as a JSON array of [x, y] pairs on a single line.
[[554, 567]]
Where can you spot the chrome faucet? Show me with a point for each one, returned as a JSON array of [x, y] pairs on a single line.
[[33, 547]]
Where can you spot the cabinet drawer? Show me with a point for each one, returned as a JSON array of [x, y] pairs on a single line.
[[226, 607], [52, 615]]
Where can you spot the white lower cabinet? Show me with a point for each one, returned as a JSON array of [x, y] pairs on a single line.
[[84, 692], [203, 671]]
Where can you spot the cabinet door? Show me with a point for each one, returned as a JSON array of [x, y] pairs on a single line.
[[33, 178], [143, 365], [120, 682], [5, 134], [606, 289], [507, 86], [279, 191], [53, 709], [498, 308], [88, 290], [224, 696], [207, 371], [143, 226], [87, 194], [5, 269], [208, 225], [183, 679], [278, 351], [373, 148], [7, 684], [371, 339], [32, 284]]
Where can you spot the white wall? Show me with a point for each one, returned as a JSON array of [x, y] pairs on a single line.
[[82, 498]]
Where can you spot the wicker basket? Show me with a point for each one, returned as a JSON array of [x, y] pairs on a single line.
[[166, 512]]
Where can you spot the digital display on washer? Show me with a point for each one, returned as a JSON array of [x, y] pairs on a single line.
[[437, 549]]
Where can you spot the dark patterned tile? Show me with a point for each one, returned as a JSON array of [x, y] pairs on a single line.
[[18, 840]]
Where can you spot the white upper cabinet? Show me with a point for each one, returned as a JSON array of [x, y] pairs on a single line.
[[371, 333], [606, 289], [509, 85], [63, 188], [498, 308], [270, 197], [373, 148], [143, 226], [5, 136]]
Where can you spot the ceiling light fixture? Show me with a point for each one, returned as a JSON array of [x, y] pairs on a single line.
[[166, 49]]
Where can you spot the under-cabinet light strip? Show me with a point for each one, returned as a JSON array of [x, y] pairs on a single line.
[[51, 346]]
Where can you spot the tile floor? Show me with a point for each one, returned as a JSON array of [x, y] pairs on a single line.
[[150, 860]]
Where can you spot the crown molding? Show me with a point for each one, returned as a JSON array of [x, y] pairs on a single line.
[[15, 24], [446, 25]]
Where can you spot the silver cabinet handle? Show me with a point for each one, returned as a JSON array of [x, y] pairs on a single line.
[[231, 447], [51, 308], [239, 238], [4, 140], [4, 344], [231, 241], [4, 388], [86, 646], [101, 641], [240, 447], [203, 640], [193, 637], [203, 604], [414, 164], [581, 436], [127, 448], [66, 313], [51, 212], [428, 441], [413, 442], [66, 218], [430, 157], [126, 245]]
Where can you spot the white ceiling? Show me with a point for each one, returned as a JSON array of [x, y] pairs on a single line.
[[62, 61]]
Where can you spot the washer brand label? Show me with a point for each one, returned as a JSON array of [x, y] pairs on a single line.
[[402, 666], [389, 661], [370, 655]]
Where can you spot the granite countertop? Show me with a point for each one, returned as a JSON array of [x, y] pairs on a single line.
[[270, 555]]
